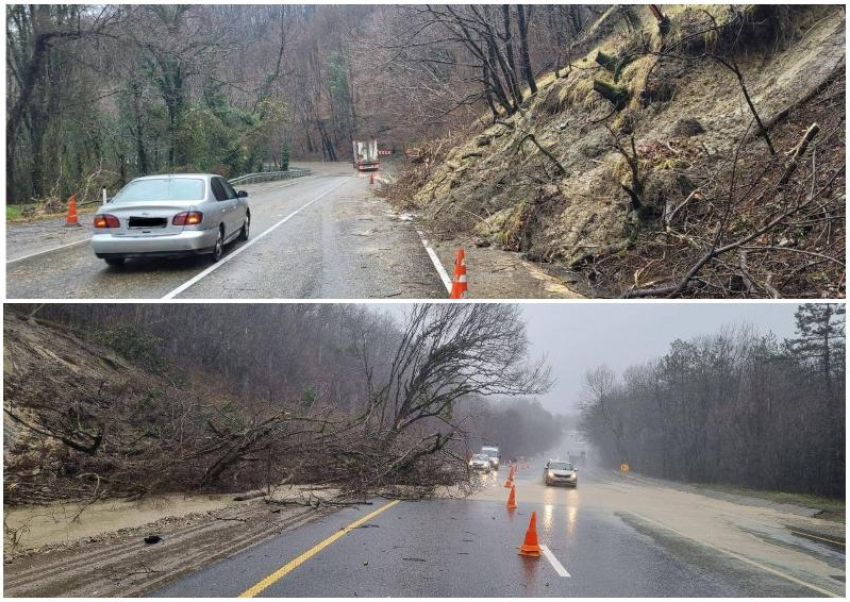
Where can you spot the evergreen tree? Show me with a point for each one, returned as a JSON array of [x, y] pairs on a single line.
[[820, 340]]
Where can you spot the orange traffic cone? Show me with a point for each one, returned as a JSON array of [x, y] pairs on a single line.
[[459, 283], [371, 178], [510, 481], [512, 498], [71, 219], [530, 547]]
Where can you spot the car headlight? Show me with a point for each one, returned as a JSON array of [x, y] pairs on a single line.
[[551, 474], [472, 463]]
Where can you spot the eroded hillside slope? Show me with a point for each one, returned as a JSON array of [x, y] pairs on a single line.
[[82, 421], [641, 161]]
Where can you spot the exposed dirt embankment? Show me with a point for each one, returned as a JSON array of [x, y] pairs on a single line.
[[103, 414], [127, 550], [82, 421], [643, 153]]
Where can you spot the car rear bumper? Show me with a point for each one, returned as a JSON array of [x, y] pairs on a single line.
[[188, 242]]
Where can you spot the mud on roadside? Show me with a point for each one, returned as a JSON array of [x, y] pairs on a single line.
[[121, 564], [496, 274]]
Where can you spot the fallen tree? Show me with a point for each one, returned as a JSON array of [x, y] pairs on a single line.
[[112, 427]]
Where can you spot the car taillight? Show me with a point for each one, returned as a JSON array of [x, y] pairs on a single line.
[[106, 221], [188, 218]]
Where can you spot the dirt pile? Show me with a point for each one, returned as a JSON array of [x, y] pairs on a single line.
[[630, 160]]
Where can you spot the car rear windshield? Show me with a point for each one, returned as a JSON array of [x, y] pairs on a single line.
[[493, 451], [161, 189], [560, 466]]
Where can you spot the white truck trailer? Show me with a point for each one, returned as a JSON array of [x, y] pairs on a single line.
[[365, 155]]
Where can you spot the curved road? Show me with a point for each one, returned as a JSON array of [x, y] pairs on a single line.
[[324, 236]]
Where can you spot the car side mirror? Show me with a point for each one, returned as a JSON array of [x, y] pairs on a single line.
[[242, 194]]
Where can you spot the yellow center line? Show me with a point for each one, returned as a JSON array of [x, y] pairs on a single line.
[[254, 590], [737, 556]]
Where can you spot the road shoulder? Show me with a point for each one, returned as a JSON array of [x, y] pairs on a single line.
[[497, 274], [120, 563]]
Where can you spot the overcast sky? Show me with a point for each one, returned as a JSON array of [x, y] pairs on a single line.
[[577, 337]]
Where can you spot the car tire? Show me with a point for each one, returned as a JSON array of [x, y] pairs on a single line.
[[218, 249], [246, 228], [115, 262]]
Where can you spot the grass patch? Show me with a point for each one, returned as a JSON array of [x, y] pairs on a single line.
[[833, 509], [15, 212], [29, 212]]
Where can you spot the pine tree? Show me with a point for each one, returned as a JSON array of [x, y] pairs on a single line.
[[820, 341], [284, 157]]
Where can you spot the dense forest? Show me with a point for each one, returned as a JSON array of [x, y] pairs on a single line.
[[98, 94], [736, 407], [134, 399]]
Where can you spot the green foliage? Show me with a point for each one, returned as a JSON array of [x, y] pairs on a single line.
[[171, 109], [284, 157], [308, 398], [135, 344], [337, 77], [820, 334], [227, 418]]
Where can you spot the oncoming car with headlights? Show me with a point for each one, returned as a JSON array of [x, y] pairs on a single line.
[[480, 462], [171, 216], [494, 455], [557, 472]]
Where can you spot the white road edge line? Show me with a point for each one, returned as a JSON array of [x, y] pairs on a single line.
[[85, 240], [229, 257], [559, 568], [743, 558], [46, 251], [444, 275]]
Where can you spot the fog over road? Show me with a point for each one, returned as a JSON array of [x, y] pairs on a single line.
[[615, 535], [338, 242]]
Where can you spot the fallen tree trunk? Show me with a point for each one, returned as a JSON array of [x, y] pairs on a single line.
[[606, 60], [715, 250]]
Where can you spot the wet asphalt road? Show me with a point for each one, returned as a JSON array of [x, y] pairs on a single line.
[[345, 244], [464, 548]]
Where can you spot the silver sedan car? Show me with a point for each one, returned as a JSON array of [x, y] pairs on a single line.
[[557, 472], [171, 215]]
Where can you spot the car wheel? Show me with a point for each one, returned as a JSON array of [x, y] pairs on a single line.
[[116, 262], [218, 249], [243, 235]]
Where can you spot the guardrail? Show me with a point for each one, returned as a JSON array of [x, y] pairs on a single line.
[[268, 176]]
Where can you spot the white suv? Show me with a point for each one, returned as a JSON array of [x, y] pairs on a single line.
[[493, 454]]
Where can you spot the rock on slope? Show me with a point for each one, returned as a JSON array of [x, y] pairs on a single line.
[[687, 114]]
